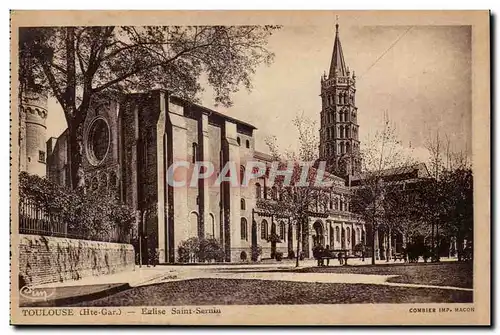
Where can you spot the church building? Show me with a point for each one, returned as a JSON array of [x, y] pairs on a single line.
[[130, 143]]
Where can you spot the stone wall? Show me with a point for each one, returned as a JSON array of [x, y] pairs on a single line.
[[45, 259]]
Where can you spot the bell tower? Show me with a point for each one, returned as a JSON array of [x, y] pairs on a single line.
[[339, 141]]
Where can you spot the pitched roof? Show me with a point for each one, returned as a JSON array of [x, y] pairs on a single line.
[[337, 65], [209, 111], [420, 167]]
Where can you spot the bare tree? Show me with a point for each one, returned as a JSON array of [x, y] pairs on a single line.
[[301, 196], [78, 65]]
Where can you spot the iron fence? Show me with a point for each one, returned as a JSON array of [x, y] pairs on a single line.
[[36, 220]]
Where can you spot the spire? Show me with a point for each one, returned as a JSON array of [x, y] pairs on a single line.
[[338, 64]]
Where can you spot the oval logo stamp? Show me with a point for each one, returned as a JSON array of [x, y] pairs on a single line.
[[34, 293]]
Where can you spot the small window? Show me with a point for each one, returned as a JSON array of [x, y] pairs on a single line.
[[248, 143], [264, 230], [41, 156], [242, 204], [258, 191], [242, 175], [282, 231], [194, 152], [238, 140]]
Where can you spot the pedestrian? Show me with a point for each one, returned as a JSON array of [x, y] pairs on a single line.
[[339, 256], [327, 255], [318, 254], [321, 252]]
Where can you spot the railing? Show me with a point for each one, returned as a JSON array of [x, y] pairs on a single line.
[[35, 220]]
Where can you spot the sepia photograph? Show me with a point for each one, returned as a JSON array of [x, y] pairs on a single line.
[[181, 169]]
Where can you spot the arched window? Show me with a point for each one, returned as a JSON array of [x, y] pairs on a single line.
[[348, 147], [337, 204], [330, 204], [258, 191], [244, 229], [238, 140], [194, 152], [348, 233], [247, 143], [341, 205], [274, 193], [211, 227], [264, 230], [337, 234], [347, 132], [282, 230], [342, 148], [242, 175], [242, 204]]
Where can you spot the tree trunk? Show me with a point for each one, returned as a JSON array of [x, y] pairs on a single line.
[[373, 244], [438, 243], [389, 244], [74, 117], [77, 175], [299, 231]]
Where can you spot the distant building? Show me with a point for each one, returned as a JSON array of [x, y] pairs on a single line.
[[32, 133]]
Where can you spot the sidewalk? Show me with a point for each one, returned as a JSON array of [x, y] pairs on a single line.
[[94, 287]]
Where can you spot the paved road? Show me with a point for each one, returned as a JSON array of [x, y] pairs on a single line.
[[142, 276]]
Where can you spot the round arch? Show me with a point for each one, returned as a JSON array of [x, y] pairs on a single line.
[[193, 220], [318, 233]]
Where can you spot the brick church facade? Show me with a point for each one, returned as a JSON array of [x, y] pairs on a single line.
[[131, 143]]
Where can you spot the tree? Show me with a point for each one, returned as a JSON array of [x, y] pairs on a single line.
[[79, 65], [297, 200], [448, 204], [384, 164]]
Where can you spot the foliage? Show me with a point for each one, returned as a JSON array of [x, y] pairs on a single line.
[[243, 256], [278, 255], [274, 238], [358, 248], [210, 250], [90, 216], [195, 250], [79, 65]]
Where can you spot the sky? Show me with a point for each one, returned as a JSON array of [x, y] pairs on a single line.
[[419, 75]]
